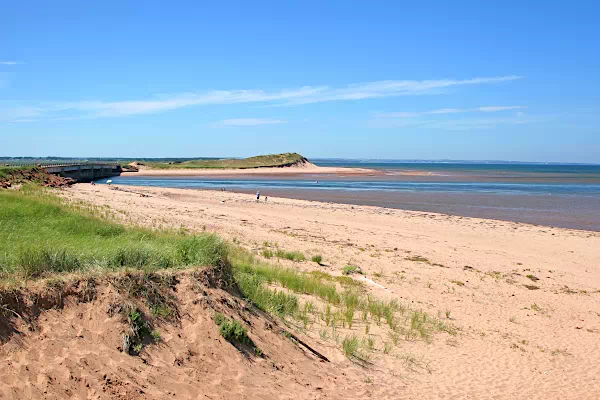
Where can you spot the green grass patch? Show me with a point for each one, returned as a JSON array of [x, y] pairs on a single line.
[[295, 256], [253, 277], [317, 259], [41, 234]]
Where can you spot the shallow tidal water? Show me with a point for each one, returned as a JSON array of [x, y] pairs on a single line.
[[553, 195]]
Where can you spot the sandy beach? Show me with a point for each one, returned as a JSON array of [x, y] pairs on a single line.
[[301, 169], [524, 298], [300, 201]]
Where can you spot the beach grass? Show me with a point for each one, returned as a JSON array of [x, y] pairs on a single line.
[[267, 253], [295, 256], [40, 235], [278, 290], [350, 345]]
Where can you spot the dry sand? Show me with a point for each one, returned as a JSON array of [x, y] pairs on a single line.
[[518, 338]]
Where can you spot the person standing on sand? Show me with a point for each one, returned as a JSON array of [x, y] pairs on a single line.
[[258, 196]]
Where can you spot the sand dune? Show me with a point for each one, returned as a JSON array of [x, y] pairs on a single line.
[[75, 353]]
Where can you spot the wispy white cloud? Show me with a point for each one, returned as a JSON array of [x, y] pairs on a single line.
[[173, 102], [453, 124], [394, 88], [499, 108], [477, 123], [284, 97], [249, 122], [442, 111], [10, 63]]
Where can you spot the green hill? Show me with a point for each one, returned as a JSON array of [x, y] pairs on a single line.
[[271, 160]]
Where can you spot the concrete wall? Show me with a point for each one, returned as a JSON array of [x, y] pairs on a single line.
[[84, 172]]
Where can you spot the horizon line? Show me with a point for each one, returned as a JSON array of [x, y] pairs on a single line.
[[396, 160]]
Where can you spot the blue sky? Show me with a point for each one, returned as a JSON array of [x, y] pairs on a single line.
[[468, 80]]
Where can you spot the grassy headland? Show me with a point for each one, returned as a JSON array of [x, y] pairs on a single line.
[[271, 160], [7, 171]]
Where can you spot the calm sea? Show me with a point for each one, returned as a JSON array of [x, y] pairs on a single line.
[[546, 194]]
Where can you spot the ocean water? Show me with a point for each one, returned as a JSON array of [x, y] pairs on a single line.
[[546, 194], [473, 169], [392, 186]]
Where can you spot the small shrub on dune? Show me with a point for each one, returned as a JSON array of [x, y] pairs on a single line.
[[317, 259], [235, 333], [133, 342], [351, 269]]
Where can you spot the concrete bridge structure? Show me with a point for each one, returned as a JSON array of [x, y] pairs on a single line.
[[83, 172]]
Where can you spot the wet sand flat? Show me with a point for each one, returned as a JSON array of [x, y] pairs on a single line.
[[567, 205]]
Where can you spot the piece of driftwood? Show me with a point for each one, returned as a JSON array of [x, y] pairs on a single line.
[[316, 353], [257, 311]]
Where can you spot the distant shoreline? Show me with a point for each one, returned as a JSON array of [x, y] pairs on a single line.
[[307, 169]]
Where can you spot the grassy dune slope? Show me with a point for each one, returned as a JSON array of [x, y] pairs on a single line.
[[40, 235], [272, 160], [43, 236]]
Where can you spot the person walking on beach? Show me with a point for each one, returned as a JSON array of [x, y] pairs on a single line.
[[258, 196]]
